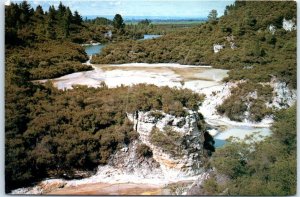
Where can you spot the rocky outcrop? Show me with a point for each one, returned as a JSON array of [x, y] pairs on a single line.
[[196, 187], [232, 45], [272, 29], [288, 25], [229, 40], [283, 96], [190, 157], [160, 168], [218, 47], [108, 34], [42, 188], [130, 163]]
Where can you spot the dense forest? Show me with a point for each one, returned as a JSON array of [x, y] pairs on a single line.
[[55, 133], [39, 40]]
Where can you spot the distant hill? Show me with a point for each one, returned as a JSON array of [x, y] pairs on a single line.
[[152, 18]]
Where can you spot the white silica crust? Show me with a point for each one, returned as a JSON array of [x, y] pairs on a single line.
[[163, 169]]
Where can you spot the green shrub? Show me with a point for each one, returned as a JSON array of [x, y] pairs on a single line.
[[236, 104], [143, 150], [259, 168], [157, 114], [169, 140]]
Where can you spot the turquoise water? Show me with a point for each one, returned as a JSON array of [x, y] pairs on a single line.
[[150, 36], [93, 49], [241, 132], [219, 143]]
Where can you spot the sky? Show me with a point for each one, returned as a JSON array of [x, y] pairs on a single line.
[[164, 8]]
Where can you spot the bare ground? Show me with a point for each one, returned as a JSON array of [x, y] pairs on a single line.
[[109, 189]]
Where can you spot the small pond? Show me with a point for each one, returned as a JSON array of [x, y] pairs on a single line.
[[96, 49], [150, 36], [219, 143], [240, 132], [93, 49]]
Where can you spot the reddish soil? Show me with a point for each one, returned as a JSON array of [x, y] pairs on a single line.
[[109, 189]]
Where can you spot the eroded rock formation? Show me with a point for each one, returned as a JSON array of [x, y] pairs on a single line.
[[184, 139]]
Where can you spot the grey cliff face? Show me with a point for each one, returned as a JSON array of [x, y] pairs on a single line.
[[188, 146]]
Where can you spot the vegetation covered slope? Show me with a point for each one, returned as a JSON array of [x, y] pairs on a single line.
[[252, 52], [41, 40], [258, 168], [24, 25], [48, 41], [55, 133]]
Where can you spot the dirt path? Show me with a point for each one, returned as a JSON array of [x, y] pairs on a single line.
[[109, 189]]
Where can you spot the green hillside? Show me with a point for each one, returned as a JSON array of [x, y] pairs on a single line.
[[257, 55], [244, 24], [251, 168]]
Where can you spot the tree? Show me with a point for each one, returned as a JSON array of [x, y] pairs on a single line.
[[25, 7], [26, 12], [145, 22], [212, 16], [12, 14], [226, 10], [52, 12], [61, 10], [118, 22], [50, 30], [250, 20], [39, 11], [77, 18], [66, 21]]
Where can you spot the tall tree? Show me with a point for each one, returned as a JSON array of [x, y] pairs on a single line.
[[52, 12], [77, 18], [118, 22], [212, 16], [26, 12], [12, 14], [66, 21], [39, 11], [25, 7], [145, 22], [50, 30], [61, 10]]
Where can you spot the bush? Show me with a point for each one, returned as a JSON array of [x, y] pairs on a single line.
[[169, 140], [50, 132], [241, 100], [143, 150], [157, 114], [259, 168]]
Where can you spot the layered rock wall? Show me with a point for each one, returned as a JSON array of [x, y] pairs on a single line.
[[190, 128]]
